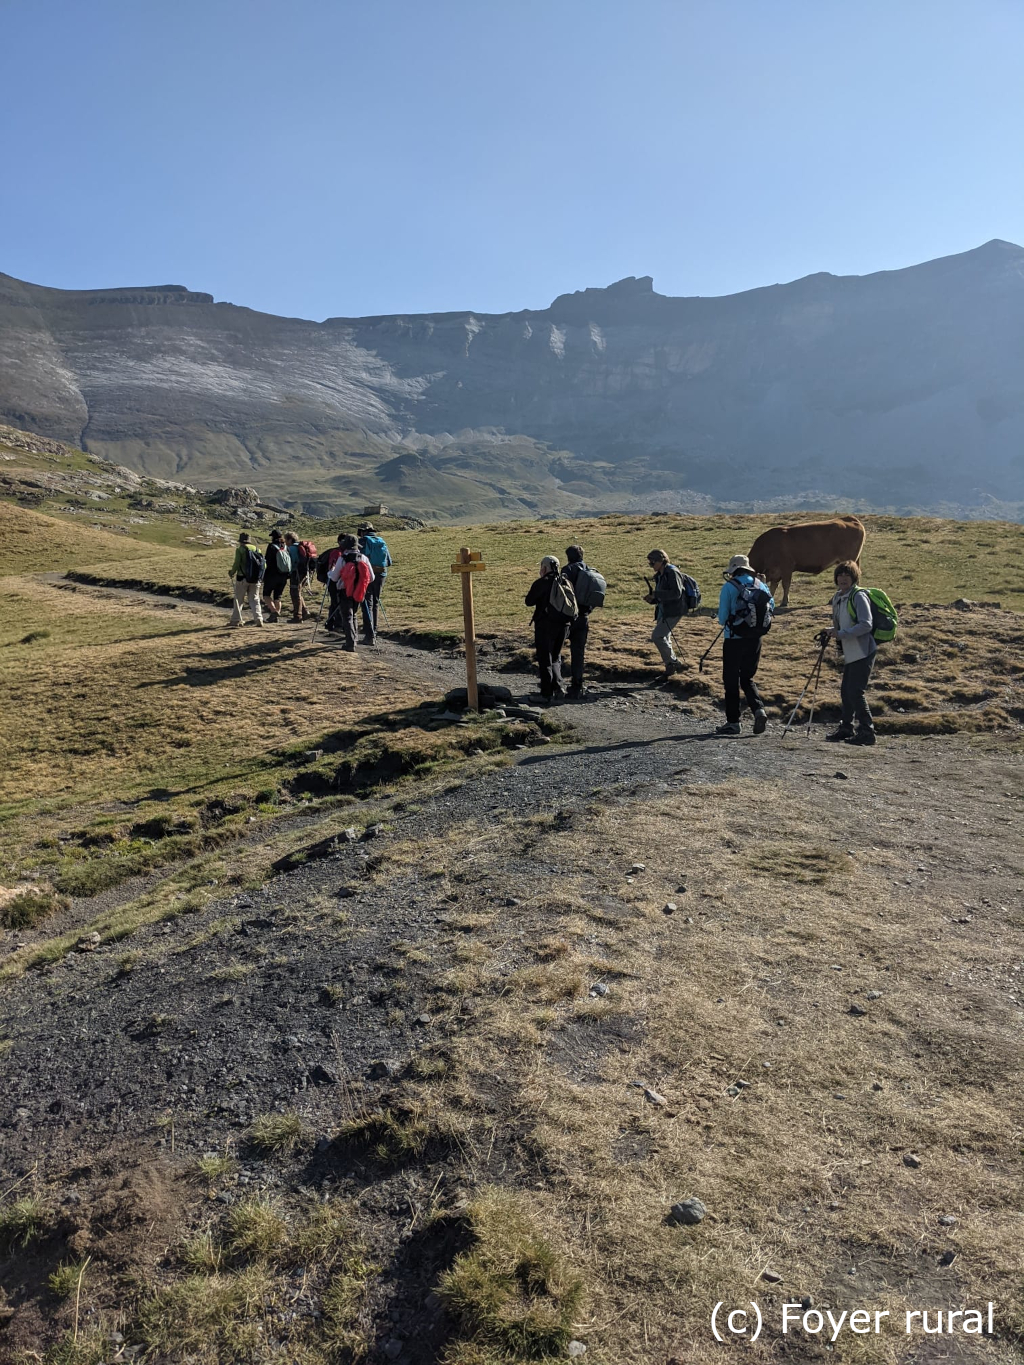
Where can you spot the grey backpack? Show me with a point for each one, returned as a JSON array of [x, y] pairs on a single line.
[[591, 588]]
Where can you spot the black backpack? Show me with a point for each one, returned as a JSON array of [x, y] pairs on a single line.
[[255, 565], [753, 613]]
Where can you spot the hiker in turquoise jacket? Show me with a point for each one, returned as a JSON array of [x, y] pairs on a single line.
[[375, 548], [741, 648]]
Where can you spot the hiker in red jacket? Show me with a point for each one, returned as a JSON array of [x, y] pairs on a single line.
[[351, 573]]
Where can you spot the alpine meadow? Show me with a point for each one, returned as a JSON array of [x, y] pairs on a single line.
[[512, 659], [374, 1028]]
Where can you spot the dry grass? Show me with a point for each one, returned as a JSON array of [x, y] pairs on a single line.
[[273, 1133], [787, 1114]]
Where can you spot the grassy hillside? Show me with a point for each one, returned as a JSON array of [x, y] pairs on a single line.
[[491, 1180]]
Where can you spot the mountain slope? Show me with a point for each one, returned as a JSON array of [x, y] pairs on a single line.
[[903, 387]]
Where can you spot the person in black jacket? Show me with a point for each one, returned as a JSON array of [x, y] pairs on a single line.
[[580, 628], [275, 579], [549, 630], [669, 601]]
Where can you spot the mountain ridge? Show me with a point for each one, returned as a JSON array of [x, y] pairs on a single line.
[[900, 386]]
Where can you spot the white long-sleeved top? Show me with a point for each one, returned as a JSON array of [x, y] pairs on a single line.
[[855, 638]]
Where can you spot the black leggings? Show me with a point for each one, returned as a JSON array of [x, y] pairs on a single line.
[[856, 676], [740, 658]]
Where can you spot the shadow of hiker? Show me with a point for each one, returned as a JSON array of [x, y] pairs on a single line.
[[549, 756], [243, 663]]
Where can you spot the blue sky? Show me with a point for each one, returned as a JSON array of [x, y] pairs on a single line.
[[340, 157]]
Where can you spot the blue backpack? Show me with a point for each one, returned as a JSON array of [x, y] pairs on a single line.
[[376, 551]]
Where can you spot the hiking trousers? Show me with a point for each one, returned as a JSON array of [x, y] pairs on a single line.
[[740, 659], [662, 637], [578, 633], [371, 606], [548, 639], [299, 612], [856, 676], [246, 592], [343, 616]]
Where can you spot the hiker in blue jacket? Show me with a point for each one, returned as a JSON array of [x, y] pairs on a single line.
[[374, 547], [744, 629]]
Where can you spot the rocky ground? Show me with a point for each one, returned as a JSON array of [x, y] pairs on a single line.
[[352, 984]]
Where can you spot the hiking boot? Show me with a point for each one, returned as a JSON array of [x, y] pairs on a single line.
[[838, 736], [862, 737], [674, 666], [760, 721], [575, 690], [731, 727]]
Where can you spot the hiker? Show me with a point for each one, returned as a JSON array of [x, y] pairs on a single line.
[[375, 548], [277, 573], [246, 575], [324, 565], [550, 624], [589, 587], [296, 578], [351, 573], [668, 597], [745, 608], [852, 631]]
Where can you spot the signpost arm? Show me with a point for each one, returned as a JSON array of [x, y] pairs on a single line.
[[472, 696]]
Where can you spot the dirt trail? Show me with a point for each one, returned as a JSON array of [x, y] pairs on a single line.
[[802, 873]]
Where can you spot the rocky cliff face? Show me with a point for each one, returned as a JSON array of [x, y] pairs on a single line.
[[905, 387]]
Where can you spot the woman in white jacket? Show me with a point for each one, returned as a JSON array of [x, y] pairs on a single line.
[[851, 627]]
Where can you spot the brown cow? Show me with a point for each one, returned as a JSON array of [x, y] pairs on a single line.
[[810, 547]]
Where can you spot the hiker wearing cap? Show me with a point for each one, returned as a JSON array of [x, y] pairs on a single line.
[[852, 631], [745, 609], [277, 574], [668, 597], [351, 575], [246, 573], [295, 578], [589, 587], [375, 548], [549, 629]]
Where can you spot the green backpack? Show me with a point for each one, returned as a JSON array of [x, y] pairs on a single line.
[[884, 618]]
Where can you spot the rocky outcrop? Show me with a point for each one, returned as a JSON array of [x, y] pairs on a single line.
[[895, 389]]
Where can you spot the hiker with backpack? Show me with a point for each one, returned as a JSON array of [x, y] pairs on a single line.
[[854, 630], [277, 574], [673, 595], [375, 548], [554, 610], [745, 610], [300, 569], [246, 581], [351, 575], [590, 588]]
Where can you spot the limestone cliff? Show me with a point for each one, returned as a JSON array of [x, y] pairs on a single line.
[[904, 387]]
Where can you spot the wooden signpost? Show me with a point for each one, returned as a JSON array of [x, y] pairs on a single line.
[[468, 563]]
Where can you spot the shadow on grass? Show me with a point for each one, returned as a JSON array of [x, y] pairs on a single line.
[[244, 661]]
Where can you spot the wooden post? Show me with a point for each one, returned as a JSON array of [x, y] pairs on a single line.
[[468, 563]]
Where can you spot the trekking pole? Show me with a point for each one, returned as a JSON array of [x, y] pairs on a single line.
[[384, 613], [320, 612], [814, 692], [700, 666], [814, 670]]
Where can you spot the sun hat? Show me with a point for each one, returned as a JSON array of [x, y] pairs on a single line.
[[738, 564]]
